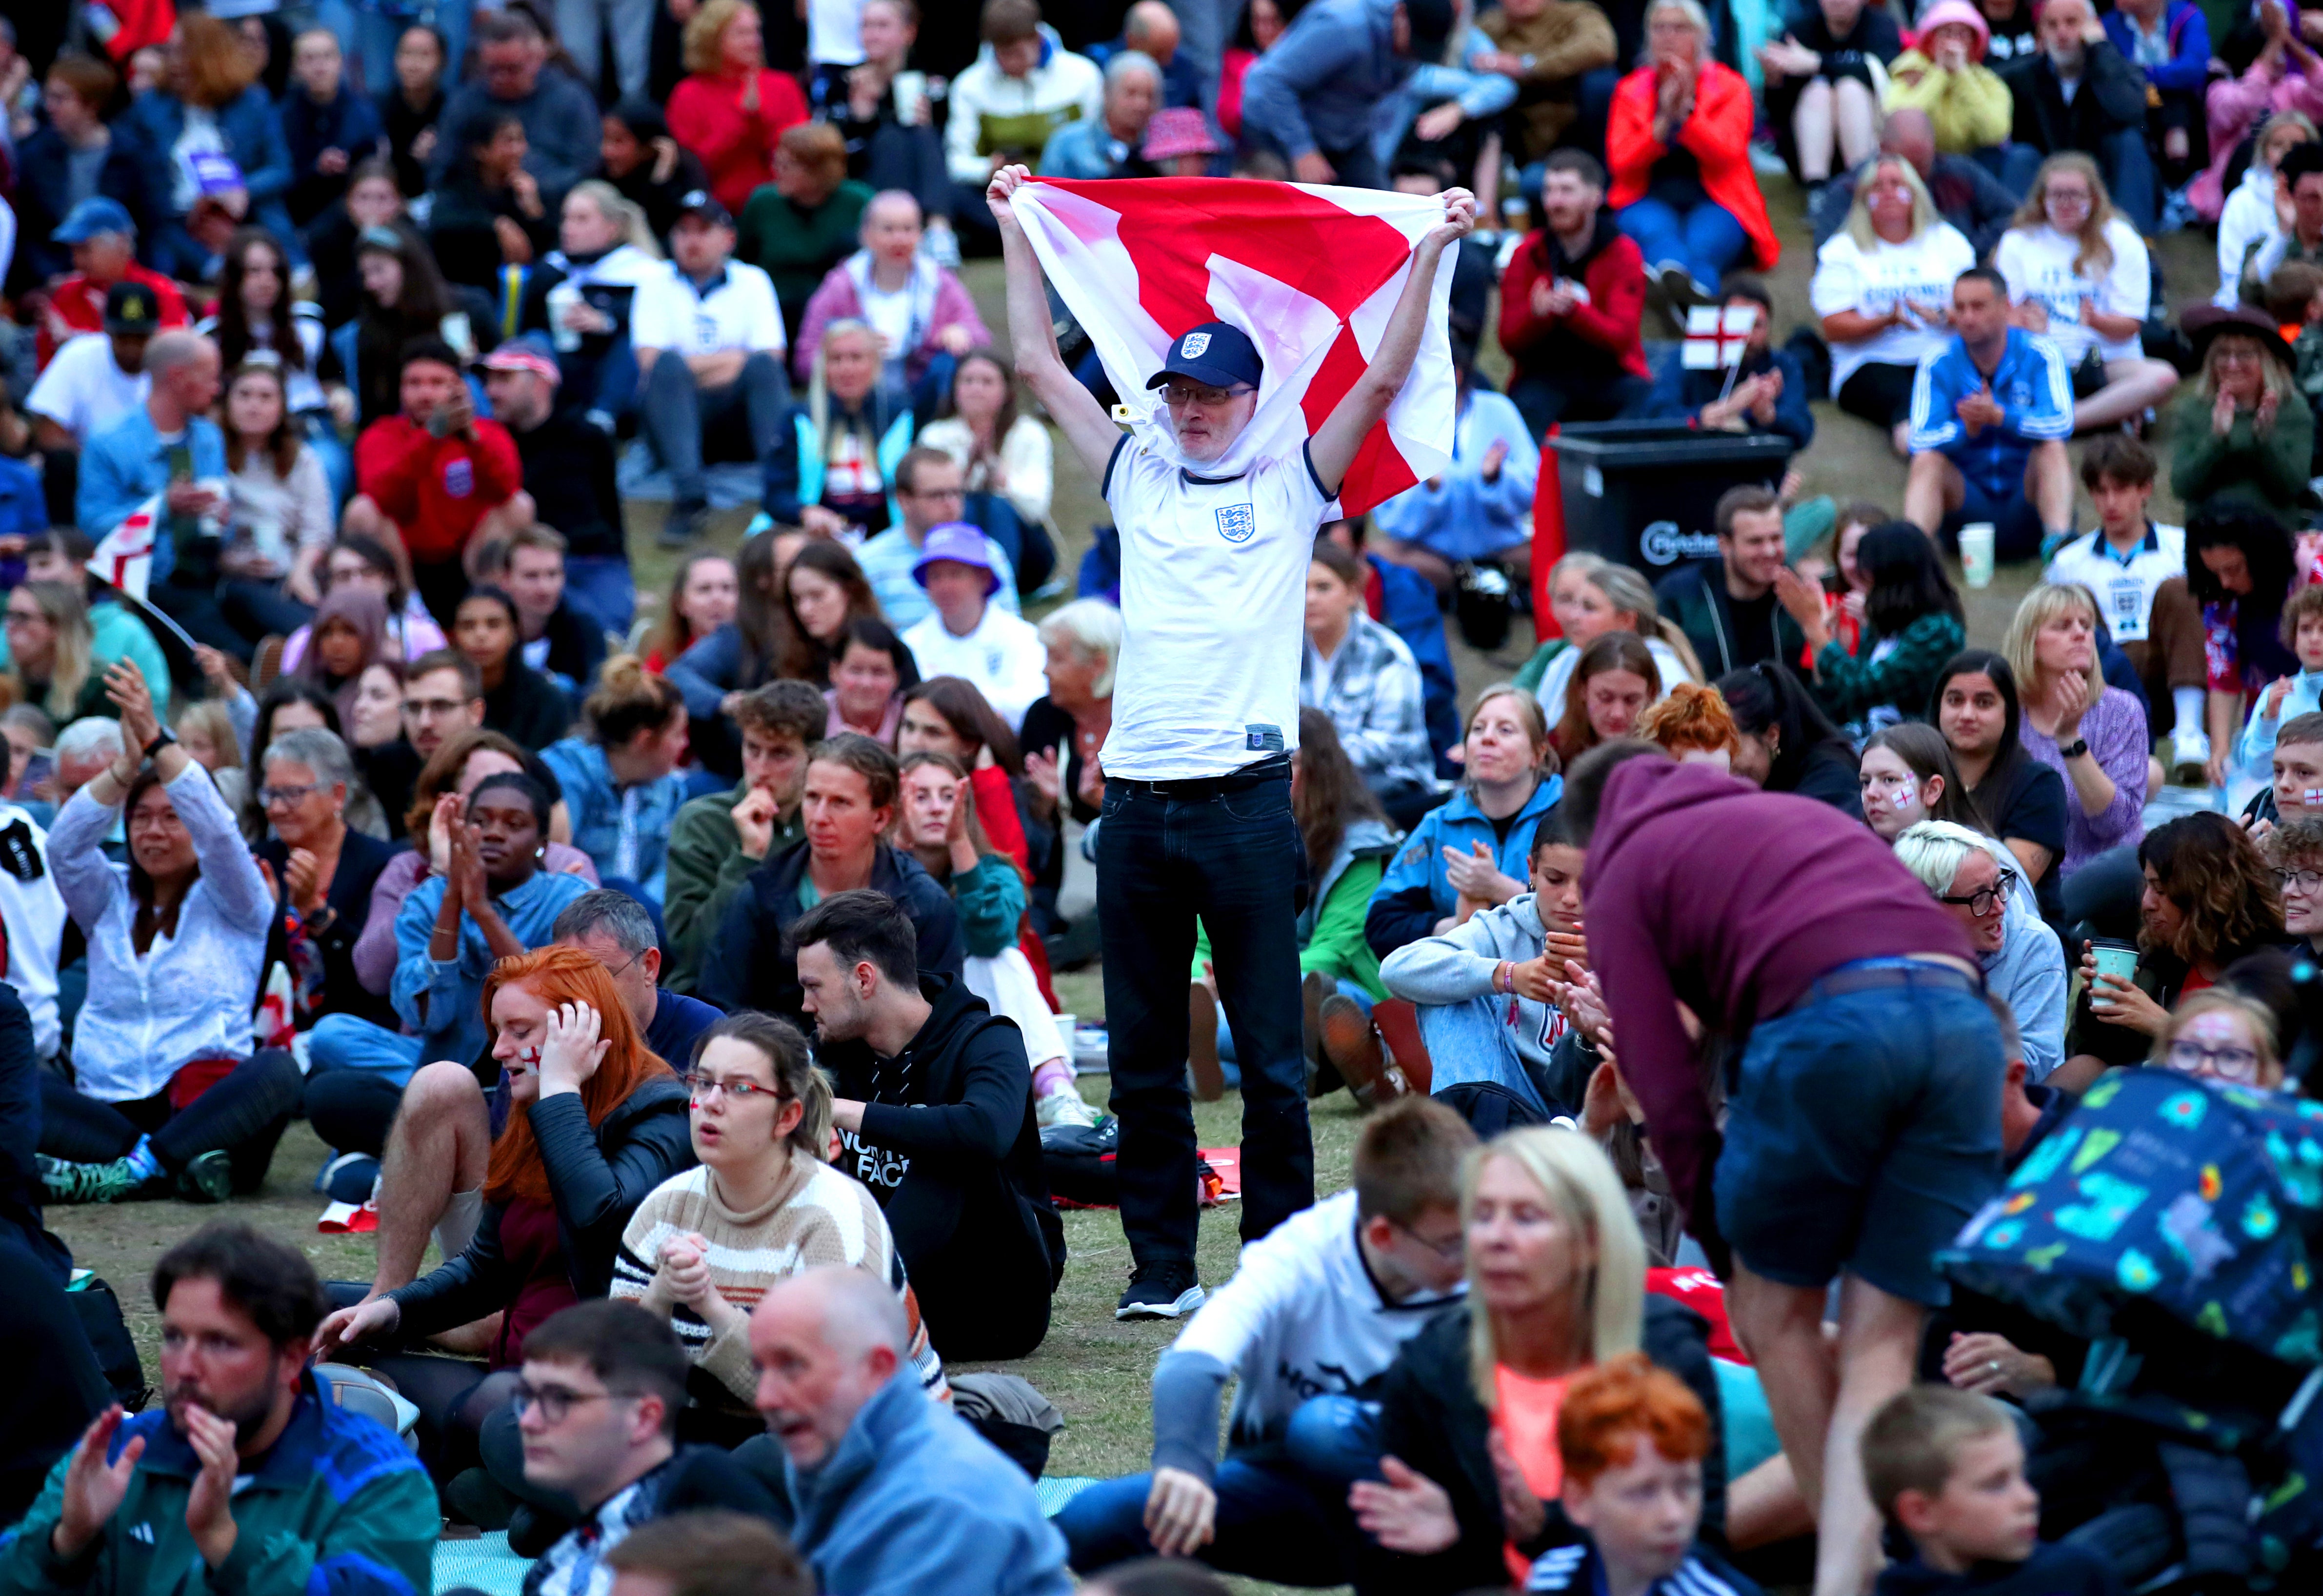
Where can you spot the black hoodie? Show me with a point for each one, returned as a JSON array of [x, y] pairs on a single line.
[[748, 969], [950, 1147], [2053, 1570]]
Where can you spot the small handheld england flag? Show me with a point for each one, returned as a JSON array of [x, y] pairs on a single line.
[[1717, 335]]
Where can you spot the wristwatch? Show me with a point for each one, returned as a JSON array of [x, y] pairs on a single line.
[[2074, 749], [161, 739]]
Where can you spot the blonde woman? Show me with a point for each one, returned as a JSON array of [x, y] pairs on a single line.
[[50, 657], [731, 109], [833, 468], [1590, 595], [208, 102], [1883, 287], [581, 293], [2092, 735], [1557, 1275], [2078, 272], [2242, 432]]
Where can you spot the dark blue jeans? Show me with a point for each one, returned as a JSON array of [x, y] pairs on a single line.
[[1281, 1516], [1228, 852]]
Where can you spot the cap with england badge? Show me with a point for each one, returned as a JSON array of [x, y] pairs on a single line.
[[1216, 354]]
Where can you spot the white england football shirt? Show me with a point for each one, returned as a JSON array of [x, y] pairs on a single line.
[[1213, 612], [2124, 587], [1870, 282]]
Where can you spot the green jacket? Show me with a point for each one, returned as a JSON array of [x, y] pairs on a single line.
[[337, 1506], [2270, 472], [797, 247], [706, 863], [1849, 686], [991, 902]]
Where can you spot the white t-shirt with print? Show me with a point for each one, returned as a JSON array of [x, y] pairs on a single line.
[[2038, 263], [738, 311], [1849, 278], [82, 391], [1213, 612]]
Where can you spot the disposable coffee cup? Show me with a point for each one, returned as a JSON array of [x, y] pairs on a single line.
[[1976, 553], [2114, 957]]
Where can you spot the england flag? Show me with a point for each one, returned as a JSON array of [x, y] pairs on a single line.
[[1310, 273]]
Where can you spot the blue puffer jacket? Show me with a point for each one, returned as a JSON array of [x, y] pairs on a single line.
[[1416, 893]]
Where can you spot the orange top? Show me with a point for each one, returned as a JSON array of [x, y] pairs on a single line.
[[1526, 1418]]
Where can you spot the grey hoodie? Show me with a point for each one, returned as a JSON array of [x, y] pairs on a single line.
[[1457, 966]]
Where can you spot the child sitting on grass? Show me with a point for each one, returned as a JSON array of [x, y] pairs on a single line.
[[1945, 1467], [1632, 1437]]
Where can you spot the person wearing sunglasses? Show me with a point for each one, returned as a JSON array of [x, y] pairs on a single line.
[[762, 1206], [1977, 882]]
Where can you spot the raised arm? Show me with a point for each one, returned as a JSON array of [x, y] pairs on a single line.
[[1332, 449], [1086, 426]]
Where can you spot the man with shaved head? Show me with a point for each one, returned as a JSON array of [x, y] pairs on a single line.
[[892, 1494], [1966, 194], [169, 448]]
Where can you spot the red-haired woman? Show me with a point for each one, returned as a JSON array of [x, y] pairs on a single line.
[[595, 1121]]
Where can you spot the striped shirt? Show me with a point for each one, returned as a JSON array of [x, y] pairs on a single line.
[[818, 1217]]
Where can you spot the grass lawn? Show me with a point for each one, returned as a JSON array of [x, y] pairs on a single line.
[[1096, 1371]]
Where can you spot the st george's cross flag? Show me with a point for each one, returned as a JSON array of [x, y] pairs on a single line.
[[1310, 273], [125, 559]]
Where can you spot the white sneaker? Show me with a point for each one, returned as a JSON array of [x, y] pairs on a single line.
[[2189, 755], [1064, 1106]]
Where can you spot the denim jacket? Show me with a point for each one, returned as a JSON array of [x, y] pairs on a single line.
[[624, 831], [451, 1022]]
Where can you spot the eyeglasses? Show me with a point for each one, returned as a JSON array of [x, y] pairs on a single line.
[[2300, 880], [2192, 1058], [1984, 899], [739, 1089], [268, 797], [22, 617], [1449, 1252], [431, 708], [555, 1401], [1187, 393]]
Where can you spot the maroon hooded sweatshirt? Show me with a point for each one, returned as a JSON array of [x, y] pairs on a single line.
[[1702, 890]]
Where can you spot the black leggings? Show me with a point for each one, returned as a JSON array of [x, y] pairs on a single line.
[[352, 1109], [1879, 394], [243, 1115], [454, 1397]]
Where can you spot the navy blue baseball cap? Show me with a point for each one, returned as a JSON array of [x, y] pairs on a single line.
[[1215, 354], [97, 214]]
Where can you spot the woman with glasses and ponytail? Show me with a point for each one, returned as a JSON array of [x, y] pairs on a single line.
[[760, 1206]]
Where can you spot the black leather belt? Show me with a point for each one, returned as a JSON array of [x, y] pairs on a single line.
[[1274, 767]]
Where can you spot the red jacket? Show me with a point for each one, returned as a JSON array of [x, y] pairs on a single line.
[[77, 306], [1719, 136], [737, 148], [436, 490], [1598, 337]]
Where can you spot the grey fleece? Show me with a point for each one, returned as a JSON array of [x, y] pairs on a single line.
[[1457, 966]]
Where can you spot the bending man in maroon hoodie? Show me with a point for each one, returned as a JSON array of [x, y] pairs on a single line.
[[1571, 305], [1863, 1128]]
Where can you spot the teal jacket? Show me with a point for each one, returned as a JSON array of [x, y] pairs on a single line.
[[794, 467], [991, 902], [1414, 893], [338, 1507]]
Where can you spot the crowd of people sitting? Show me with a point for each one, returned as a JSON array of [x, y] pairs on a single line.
[[670, 983]]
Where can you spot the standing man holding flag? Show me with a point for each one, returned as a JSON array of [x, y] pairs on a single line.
[[1216, 543]]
